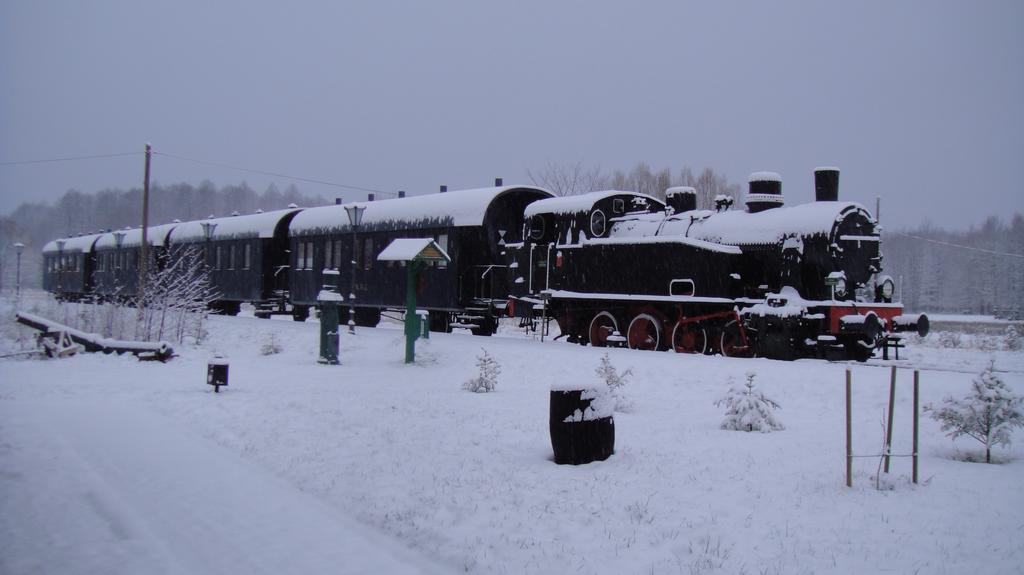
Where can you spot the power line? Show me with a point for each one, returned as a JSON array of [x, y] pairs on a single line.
[[68, 159], [960, 246], [274, 174]]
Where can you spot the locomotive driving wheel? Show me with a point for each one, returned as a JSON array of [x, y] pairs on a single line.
[[689, 337], [734, 342], [644, 332], [602, 326]]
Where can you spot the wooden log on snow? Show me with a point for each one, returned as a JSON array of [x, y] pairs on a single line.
[[92, 342], [581, 425]]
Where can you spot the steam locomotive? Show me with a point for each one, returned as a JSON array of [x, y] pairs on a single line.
[[622, 268], [611, 267]]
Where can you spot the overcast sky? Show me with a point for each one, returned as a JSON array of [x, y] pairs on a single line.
[[917, 102]]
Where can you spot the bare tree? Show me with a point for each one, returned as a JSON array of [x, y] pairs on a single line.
[[567, 180]]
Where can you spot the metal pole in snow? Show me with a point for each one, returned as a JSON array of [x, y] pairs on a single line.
[[917, 378], [144, 249]]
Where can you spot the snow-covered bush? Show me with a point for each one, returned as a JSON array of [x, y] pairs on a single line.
[[271, 346], [1012, 338], [616, 383], [488, 378], [950, 339], [749, 409], [988, 413]]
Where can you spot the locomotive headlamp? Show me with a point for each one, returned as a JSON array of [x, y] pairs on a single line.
[[884, 289], [838, 282]]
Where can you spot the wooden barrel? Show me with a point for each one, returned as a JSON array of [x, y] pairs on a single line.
[[579, 432]]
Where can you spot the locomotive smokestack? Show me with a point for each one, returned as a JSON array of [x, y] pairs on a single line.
[[681, 199], [498, 182], [826, 184], [444, 188], [765, 192]]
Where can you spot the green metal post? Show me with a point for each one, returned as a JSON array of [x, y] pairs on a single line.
[[412, 322], [328, 301]]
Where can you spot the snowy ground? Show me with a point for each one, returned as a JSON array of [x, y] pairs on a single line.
[[109, 465]]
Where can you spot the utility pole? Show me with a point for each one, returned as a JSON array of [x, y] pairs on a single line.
[[144, 251]]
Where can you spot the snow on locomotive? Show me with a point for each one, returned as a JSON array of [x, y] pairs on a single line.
[[624, 268]]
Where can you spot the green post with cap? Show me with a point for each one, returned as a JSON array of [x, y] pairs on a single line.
[[416, 254]]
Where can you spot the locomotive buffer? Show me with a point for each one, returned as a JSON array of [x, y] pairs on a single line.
[[415, 254]]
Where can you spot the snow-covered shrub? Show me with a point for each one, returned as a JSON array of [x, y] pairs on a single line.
[[950, 339], [616, 383], [271, 346], [988, 413], [749, 409], [1012, 338], [488, 378]]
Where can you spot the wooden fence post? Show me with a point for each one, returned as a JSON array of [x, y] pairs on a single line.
[[849, 434], [917, 375], [888, 429]]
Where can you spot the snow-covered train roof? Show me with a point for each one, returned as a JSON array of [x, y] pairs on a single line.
[[455, 208], [768, 227], [231, 227], [155, 235], [578, 203], [75, 244]]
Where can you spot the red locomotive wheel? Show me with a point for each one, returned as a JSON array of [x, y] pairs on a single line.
[[602, 326], [644, 332], [733, 343], [689, 337]]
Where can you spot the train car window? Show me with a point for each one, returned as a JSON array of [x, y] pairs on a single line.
[[309, 256], [216, 264], [135, 258], [537, 227], [328, 254], [597, 223], [618, 205], [337, 254], [246, 256], [231, 257], [368, 254]]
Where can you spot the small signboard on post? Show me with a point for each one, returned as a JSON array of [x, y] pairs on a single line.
[[415, 253]]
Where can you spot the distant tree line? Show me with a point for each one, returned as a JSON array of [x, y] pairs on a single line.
[[34, 224], [980, 271], [572, 179]]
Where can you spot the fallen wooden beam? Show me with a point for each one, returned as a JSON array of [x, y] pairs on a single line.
[[92, 342]]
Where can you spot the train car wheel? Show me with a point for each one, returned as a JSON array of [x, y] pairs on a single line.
[[602, 326], [644, 332], [731, 341], [689, 337]]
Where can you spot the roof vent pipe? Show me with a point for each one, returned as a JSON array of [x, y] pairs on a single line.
[[369, 197], [826, 184], [765, 192], [337, 201], [498, 182], [444, 188], [401, 193], [681, 199]]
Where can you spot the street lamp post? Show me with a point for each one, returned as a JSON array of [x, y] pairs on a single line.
[[17, 281], [355, 217], [60, 267]]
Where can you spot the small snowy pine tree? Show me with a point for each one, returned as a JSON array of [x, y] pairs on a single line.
[[488, 378], [988, 414], [616, 383], [1012, 338], [271, 346], [749, 409]]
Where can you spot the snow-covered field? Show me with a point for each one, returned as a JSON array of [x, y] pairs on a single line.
[[110, 465]]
